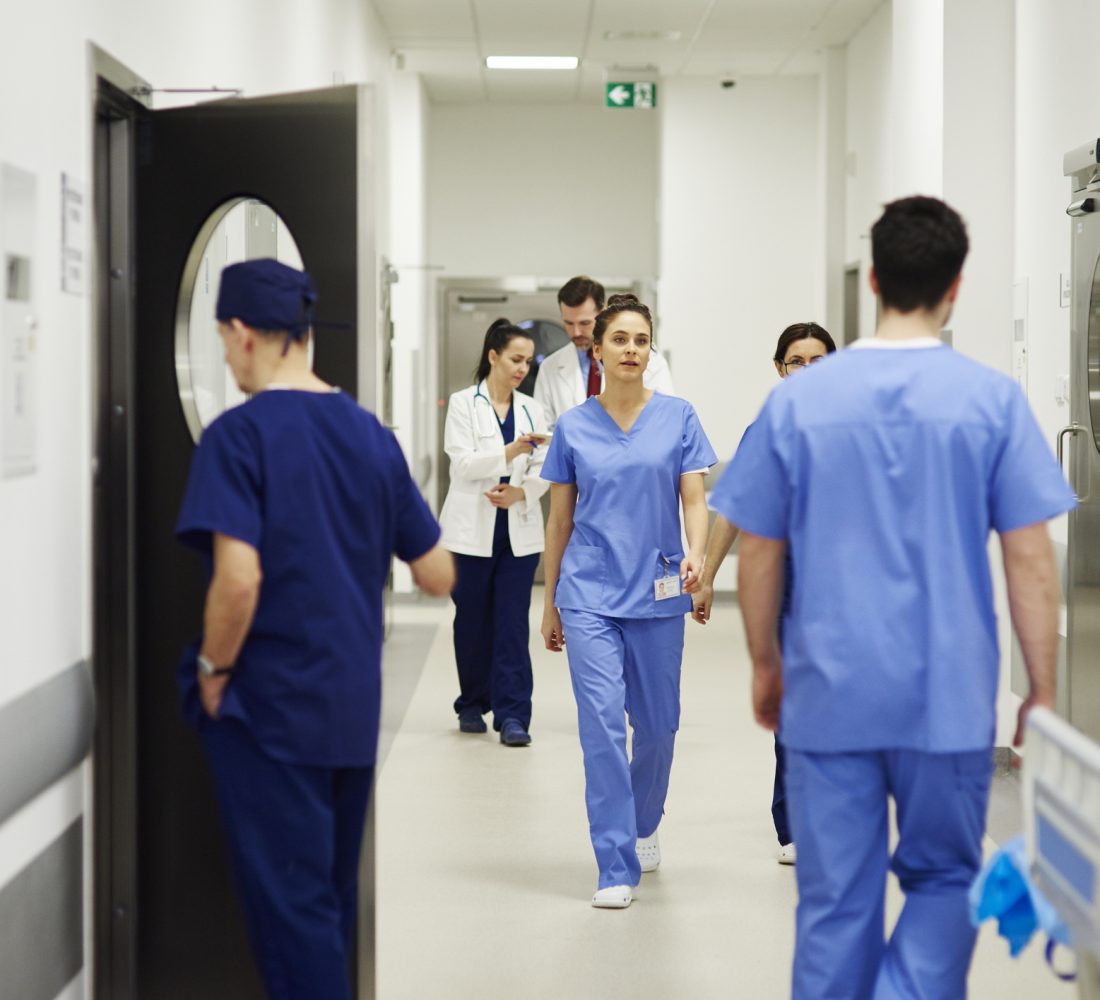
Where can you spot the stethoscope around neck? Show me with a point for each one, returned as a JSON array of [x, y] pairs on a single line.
[[495, 429]]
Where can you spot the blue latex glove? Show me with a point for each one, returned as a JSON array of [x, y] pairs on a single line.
[[1003, 890]]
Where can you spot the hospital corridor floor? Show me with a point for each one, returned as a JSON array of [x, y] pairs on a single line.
[[485, 871]]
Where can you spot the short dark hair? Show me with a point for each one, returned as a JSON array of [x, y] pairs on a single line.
[[619, 303], [918, 247], [800, 331], [500, 334], [577, 291]]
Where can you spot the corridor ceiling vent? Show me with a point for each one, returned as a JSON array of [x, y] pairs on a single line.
[[531, 62]]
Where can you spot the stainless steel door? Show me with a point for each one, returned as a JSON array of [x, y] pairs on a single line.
[[1079, 444]]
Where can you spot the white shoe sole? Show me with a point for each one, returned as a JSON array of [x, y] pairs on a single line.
[[614, 897], [648, 851], [787, 857]]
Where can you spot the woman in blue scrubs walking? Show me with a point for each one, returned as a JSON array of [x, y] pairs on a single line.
[[492, 522], [799, 346], [617, 584]]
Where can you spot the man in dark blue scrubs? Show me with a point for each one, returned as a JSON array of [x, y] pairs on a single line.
[[300, 498]]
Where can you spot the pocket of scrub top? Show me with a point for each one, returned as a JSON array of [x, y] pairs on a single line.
[[580, 582]]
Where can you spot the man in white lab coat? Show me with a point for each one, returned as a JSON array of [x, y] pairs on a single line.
[[570, 375]]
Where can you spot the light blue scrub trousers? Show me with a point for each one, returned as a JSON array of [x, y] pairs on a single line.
[[840, 822], [629, 665]]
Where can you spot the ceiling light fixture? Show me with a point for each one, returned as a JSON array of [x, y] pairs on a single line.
[[641, 36], [531, 62]]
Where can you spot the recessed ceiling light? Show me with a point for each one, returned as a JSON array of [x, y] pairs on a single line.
[[531, 62], [641, 36]]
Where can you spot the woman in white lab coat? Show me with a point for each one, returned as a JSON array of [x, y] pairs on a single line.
[[495, 438]]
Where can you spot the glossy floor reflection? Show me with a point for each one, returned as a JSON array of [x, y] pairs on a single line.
[[485, 870]]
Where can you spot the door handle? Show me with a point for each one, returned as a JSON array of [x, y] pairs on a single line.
[[1074, 428]]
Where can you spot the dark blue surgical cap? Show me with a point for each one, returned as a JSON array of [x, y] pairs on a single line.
[[267, 295]]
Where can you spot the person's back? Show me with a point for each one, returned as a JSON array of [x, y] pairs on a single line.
[[884, 470], [334, 484], [299, 499], [895, 568]]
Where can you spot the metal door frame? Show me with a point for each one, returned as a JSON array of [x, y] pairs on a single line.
[[115, 110]]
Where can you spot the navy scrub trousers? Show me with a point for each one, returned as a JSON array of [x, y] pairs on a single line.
[[294, 835], [491, 633]]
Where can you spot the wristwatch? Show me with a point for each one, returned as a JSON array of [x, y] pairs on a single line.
[[207, 668]]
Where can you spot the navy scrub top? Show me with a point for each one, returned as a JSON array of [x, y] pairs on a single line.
[[323, 492]]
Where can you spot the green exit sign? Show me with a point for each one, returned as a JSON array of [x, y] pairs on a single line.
[[631, 95]]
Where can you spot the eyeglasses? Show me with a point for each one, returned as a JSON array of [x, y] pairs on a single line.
[[796, 363]]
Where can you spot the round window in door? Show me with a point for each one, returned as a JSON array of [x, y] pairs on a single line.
[[548, 336], [240, 229]]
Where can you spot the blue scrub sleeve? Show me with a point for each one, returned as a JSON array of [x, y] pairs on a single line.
[[223, 487], [754, 492], [1027, 485], [559, 466], [417, 529], [696, 452]]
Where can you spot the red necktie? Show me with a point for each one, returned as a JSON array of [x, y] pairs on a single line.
[[594, 379]]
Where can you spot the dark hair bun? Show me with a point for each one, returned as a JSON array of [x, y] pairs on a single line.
[[498, 323], [622, 299]]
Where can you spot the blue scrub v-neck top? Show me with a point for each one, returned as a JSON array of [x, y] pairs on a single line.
[[885, 469], [626, 526], [323, 492]]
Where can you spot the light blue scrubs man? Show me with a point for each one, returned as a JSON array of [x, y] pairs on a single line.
[[884, 468], [617, 585]]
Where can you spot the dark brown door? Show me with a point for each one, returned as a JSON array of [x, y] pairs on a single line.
[[175, 929]]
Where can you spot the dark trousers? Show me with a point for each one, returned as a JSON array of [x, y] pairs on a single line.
[[779, 797], [492, 603], [294, 837]]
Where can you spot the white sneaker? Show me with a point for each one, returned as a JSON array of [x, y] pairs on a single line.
[[649, 852], [787, 854], [614, 897]]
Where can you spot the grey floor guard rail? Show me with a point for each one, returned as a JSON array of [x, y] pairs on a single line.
[[44, 734]]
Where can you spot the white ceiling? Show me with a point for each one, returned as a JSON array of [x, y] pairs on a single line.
[[446, 41]]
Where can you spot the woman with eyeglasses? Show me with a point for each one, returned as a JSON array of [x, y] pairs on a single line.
[[492, 522], [800, 346]]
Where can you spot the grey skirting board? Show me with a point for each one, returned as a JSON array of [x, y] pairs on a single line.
[[44, 734], [42, 923]]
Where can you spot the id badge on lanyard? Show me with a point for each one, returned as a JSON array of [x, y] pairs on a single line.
[[668, 585]]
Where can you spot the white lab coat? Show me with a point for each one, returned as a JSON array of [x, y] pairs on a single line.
[[560, 385], [471, 438]]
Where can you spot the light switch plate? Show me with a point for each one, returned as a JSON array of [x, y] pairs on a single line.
[[1066, 291], [1061, 388]]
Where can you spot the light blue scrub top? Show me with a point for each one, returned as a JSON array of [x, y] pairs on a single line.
[[886, 469], [626, 526]]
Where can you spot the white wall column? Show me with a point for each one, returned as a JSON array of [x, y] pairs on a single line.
[[916, 96], [833, 151]]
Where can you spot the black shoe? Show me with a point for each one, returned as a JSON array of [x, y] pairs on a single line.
[[470, 721], [512, 734]]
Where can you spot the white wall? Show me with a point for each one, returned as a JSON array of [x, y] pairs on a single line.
[[414, 346], [1057, 101], [916, 97], [545, 190], [45, 127], [870, 135], [740, 238]]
